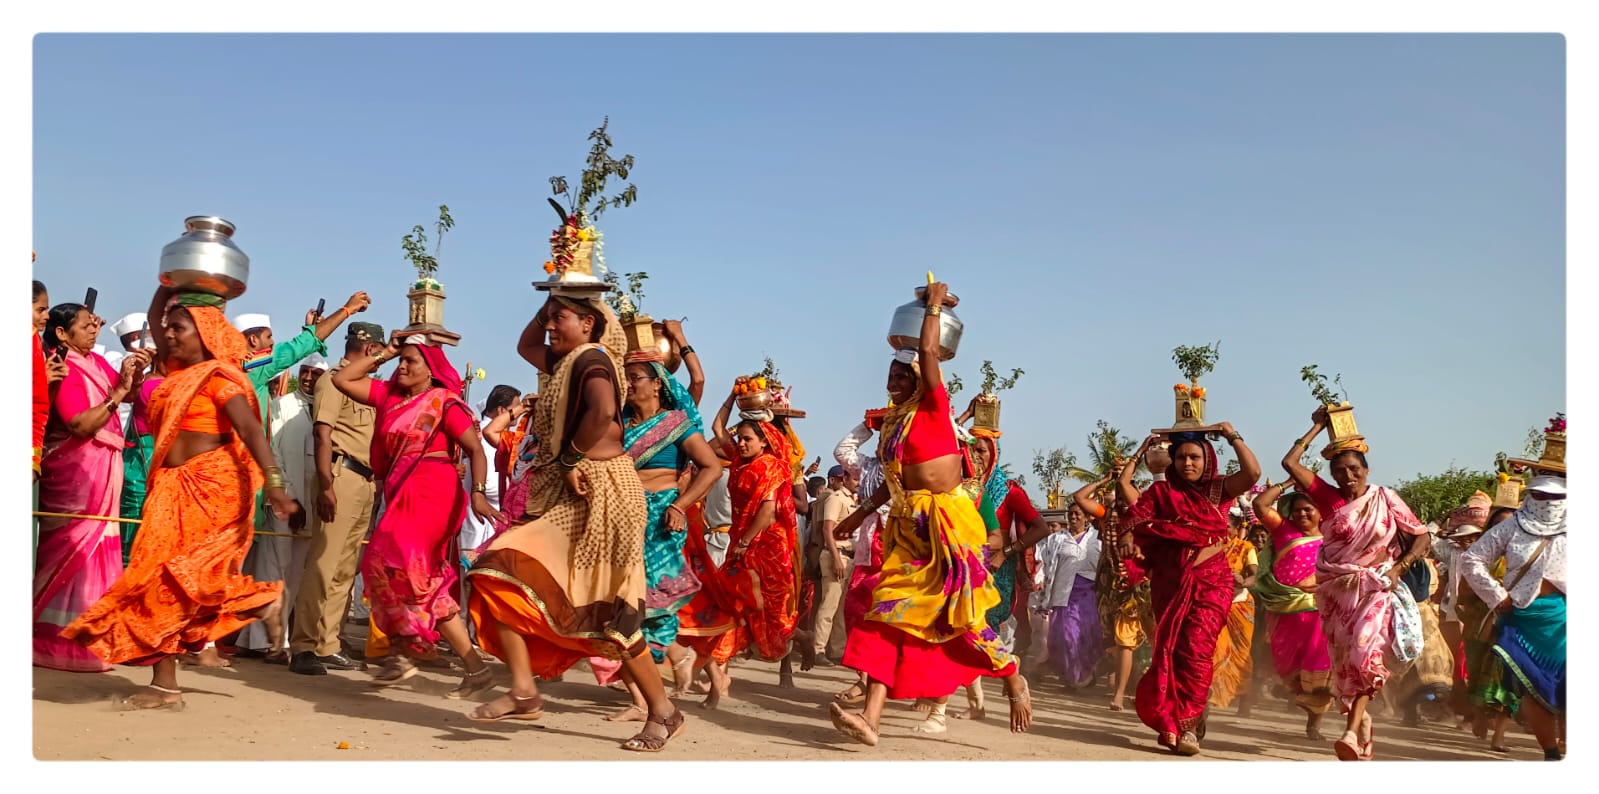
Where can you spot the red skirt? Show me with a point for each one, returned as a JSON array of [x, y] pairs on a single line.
[[913, 667]]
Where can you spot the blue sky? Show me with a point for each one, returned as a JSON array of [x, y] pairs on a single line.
[[1388, 207]]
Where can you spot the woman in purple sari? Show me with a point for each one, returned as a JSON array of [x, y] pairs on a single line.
[[80, 473]]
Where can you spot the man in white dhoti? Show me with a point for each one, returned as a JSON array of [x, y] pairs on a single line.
[[273, 557]]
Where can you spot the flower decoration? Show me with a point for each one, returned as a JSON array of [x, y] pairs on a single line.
[[1504, 477], [1180, 387], [1200, 392], [1557, 424]]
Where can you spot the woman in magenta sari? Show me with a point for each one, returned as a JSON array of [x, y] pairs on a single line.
[[407, 569], [1286, 586], [80, 473], [1179, 528], [1369, 539]]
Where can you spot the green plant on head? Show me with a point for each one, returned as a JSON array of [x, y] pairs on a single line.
[[599, 168], [1318, 385], [769, 372], [1194, 362], [993, 383], [416, 250], [953, 384], [634, 305]]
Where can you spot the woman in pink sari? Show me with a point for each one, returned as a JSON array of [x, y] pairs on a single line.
[[1286, 586], [1179, 526], [80, 473], [407, 568], [1369, 539]]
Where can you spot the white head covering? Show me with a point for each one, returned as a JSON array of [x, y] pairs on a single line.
[[245, 322], [1544, 517], [1549, 484], [315, 361], [906, 356], [131, 324]]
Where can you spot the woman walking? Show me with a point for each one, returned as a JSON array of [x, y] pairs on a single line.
[[1286, 585], [409, 578], [1233, 663], [926, 634], [1068, 563], [1179, 527], [80, 474], [1369, 539], [182, 589]]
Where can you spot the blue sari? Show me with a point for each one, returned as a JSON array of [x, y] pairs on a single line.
[[1532, 647], [671, 584]]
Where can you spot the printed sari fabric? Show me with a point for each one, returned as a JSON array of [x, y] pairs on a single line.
[[407, 574], [1358, 607], [78, 559], [1175, 522], [708, 622], [1232, 664], [1298, 645], [1532, 648], [926, 633], [182, 588], [670, 584], [765, 582], [570, 582]]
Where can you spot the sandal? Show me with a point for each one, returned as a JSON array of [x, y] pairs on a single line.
[[849, 699], [279, 656], [1187, 744], [472, 683], [518, 712], [393, 671], [645, 743], [1347, 748], [852, 725]]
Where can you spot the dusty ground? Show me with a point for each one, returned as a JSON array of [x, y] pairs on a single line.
[[261, 712]]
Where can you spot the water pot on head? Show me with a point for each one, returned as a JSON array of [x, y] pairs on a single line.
[[205, 259], [905, 330]]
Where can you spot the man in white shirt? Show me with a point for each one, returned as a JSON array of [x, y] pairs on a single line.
[[272, 557]]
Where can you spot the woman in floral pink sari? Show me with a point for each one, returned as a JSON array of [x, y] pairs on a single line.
[[1369, 539], [80, 473], [421, 420]]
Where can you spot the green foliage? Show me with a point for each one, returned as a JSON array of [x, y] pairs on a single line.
[[769, 372], [953, 385], [1533, 448], [1106, 446], [600, 168], [1196, 361], [1051, 468], [1231, 468], [415, 245], [1432, 496], [1312, 462], [993, 383], [1318, 386], [634, 293]]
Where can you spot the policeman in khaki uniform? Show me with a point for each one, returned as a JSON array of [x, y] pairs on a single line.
[[344, 496]]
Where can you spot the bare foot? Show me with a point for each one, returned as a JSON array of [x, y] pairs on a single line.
[[211, 657], [1021, 704], [154, 697], [785, 674], [633, 713], [923, 705]]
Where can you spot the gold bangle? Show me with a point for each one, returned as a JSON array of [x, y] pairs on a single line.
[[481, 487], [934, 311]]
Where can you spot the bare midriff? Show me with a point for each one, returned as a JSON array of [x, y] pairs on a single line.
[[657, 480], [939, 475], [189, 445]]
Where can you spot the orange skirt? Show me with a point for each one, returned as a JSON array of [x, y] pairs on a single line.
[[182, 587]]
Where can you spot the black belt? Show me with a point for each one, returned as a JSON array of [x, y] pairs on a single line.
[[341, 459]]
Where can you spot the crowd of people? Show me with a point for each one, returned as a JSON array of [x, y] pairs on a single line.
[[209, 494]]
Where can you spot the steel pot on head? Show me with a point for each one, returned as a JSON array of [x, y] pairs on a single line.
[[905, 330], [205, 259]]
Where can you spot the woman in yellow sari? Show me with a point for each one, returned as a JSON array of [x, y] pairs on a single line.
[[1232, 664], [926, 634]]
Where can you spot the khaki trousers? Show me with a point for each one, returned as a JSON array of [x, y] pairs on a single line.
[[330, 566], [829, 632]]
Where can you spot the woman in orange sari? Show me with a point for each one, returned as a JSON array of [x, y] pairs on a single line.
[[760, 572], [182, 587]]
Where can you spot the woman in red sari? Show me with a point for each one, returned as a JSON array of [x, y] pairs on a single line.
[[182, 588], [761, 570], [407, 570], [1179, 528]]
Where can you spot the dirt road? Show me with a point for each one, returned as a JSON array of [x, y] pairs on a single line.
[[262, 712]]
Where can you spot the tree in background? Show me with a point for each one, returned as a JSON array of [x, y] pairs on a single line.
[[1432, 496]]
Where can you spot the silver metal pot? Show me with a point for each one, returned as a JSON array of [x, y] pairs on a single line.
[[205, 259], [905, 330]]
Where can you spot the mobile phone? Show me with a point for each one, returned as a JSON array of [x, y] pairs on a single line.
[[322, 303], [89, 299]]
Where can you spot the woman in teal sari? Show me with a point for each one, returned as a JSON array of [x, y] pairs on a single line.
[[663, 432]]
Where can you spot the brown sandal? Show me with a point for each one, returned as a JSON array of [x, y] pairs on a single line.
[[480, 714], [852, 725], [849, 699], [645, 743]]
